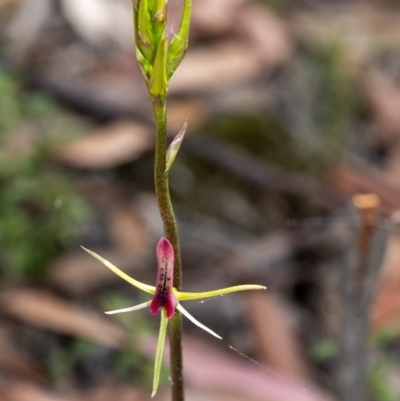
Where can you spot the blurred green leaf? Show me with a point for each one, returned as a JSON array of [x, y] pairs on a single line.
[[40, 210], [324, 350], [379, 385], [385, 336]]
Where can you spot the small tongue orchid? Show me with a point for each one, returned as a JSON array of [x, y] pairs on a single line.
[[166, 297]]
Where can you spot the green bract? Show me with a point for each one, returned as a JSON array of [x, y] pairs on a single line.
[[173, 148]]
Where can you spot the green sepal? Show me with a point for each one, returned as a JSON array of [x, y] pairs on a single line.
[[152, 4], [135, 25], [173, 148], [158, 84], [144, 287], [144, 35], [159, 20], [179, 43], [160, 350], [160, 13], [186, 296], [145, 66]]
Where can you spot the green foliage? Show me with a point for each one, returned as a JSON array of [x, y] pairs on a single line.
[[260, 133], [384, 366], [385, 336], [39, 209], [340, 102], [211, 190], [324, 350], [379, 385], [63, 360], [317, 102], [130, 365]]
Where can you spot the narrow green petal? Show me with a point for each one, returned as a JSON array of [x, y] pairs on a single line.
[[185, 296], [196, 322], [159, 352], [130, 309], [144, 287]]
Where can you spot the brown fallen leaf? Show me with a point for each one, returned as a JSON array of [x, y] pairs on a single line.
[[48, 311], [13, 362], [360, 27], [261, 43], [128, 229], [274, 335], [101, 22], [78, 272], [194, 111], [384, 98], [106, 147], [9, 3], [217, 67], [360, 177], [29, 392], [108, 389], [211, 18], [209, 367], [267, 34]]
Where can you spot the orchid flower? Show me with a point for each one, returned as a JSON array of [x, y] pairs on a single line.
[[166, 297]]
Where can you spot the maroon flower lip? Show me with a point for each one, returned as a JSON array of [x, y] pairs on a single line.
[[164, 296]]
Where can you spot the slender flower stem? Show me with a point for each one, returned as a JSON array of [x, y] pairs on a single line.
[[171, 232]]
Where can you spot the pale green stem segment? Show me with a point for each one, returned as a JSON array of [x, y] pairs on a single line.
[[144, 287], [130, 309], [196, 322], [160, 350], [185, 296]]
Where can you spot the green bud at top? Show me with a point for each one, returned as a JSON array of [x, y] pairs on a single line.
[[157, 59]]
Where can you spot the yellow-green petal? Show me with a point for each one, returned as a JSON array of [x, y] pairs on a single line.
[[160, 350], [130, 309], [144, 287], [185, 296]]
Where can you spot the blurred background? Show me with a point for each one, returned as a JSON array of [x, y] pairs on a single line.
[[292, 108]]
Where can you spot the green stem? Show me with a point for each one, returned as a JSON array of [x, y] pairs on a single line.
[[171, 233]]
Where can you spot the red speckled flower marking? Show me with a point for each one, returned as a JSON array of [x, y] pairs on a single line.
[[164, 296]]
